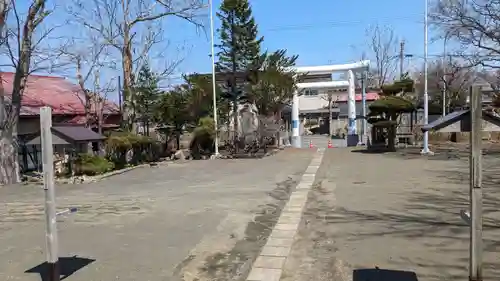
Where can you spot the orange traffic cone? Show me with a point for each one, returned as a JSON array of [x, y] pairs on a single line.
[[330, 145], [311, 144]]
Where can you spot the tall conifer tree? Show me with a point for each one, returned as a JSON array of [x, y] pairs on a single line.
[[239, 52]]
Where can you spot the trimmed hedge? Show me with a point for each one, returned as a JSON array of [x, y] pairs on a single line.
[[131, 149], [91, 165]]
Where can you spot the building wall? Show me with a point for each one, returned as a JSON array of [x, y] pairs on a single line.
[[28, 126], [313, 102]]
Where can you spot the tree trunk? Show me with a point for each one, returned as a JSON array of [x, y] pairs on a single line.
[[391, 135], [127, 80], [9, 160], [178, 139], [236, 137]]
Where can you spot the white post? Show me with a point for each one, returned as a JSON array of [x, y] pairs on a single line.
[[351, 104], [214, 94], [295, 121], [363, 102], [48, 184], [425, 149]]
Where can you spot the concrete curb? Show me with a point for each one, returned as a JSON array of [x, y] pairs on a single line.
[[118, 172], [269, 264]]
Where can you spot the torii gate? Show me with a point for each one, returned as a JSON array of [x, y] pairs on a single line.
[[350, 83]]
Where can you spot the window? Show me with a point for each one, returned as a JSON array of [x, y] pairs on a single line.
[[310, 92]]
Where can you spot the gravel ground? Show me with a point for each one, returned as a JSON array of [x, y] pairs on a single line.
[[202, 220], [398, 212]]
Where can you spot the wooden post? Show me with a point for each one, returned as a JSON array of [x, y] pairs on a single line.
[[48, 184], [476, 195]]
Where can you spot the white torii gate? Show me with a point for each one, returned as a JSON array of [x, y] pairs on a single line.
[[328, 69]]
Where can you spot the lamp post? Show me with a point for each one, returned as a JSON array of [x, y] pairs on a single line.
[[425, 149], [214, 93]]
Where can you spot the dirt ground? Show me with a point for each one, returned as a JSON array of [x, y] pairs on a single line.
[[198, 220], [397, 212]]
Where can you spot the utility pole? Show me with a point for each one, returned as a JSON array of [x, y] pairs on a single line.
[[401, 58], [444, 75], [214, 88], [425, 149]]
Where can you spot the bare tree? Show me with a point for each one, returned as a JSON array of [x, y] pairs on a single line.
[[457, 78], [132, 27], [383, 46], [88, 59], [22, 44], [473, 24], [100, 106]]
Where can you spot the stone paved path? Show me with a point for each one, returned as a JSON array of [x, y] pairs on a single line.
[[395, 212]]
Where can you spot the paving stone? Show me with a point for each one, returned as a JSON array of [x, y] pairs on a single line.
[[304, 186], [298, 196], [292, 209], [264, 274], [289, 220], [291, 216], [275, 251], [289, 234], [296, 204], [312, 170], [287, 226], [279, 242], [270, 262]]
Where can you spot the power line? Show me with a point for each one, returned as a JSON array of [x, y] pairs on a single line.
[[329, 24], [293, 27]]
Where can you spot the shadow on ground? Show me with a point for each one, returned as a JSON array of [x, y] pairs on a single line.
[[236, 263], [377, 274], [67, 267], [429, 215]]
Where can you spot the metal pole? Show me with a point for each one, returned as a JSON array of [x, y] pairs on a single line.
[[401, 59], [48, 185], [476, 194], [444, 75], [363, 107], [425, 149], [214, 93], [296, 142]]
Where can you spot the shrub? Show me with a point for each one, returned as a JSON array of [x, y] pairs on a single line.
[[203, 138], [90, 165], [119, 146], [116, 150]]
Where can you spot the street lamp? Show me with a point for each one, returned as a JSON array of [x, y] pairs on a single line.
[[212, 43], [425, 149]]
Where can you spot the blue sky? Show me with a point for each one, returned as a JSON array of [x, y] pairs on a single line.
[[321, 31], [318, 31]]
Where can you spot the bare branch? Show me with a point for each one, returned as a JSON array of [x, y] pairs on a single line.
[[383, 46], [475, 25], [126, 24]]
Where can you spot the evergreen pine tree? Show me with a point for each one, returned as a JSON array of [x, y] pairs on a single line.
[[147, 93], [239, 52]]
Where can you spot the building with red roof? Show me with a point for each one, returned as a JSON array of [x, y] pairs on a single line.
[[66, 99]]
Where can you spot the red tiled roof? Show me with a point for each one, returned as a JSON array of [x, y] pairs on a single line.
[[371, 96], [60, 94]]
